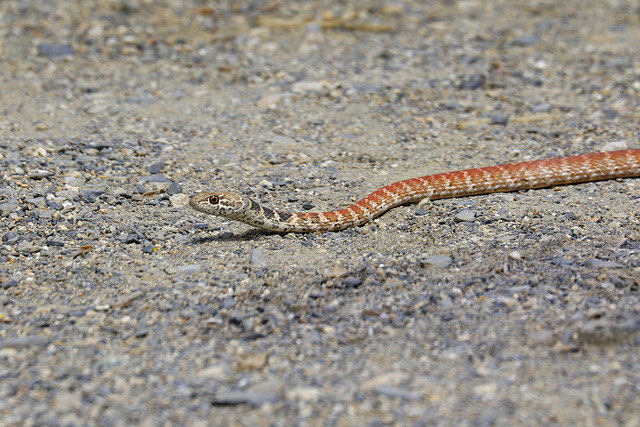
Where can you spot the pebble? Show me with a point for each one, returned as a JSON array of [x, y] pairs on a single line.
[[142, 328], [271, 101], [23, 342], [476, 81], [615, 145], [258, 257], [96, 109], [181, 200], [174, 188], [527, 40], [541, 338], [233, 398], [392, 378], [306, 394], [9, 284], [55, 51], [352, 282], [391, 391], [437, 261], [608, 331], [149, 249], [41, 174], [253, 362], [127, 301], [10, 237], [516, 255], [28, 248], [9, 207], [156, 167], [189, 268], [91, 196], [542, 108], [487, 390], [599, 264], [220, 372], [310, 86], [500, 120], [466, 215]]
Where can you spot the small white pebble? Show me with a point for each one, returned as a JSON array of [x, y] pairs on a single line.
[[614, 146], [515, 255]]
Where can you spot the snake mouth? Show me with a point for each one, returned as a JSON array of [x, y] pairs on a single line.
[[194, 200]]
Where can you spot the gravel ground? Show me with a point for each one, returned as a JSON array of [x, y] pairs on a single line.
[[120, 306]]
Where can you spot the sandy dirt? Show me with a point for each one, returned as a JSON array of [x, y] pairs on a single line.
[[119, 305]]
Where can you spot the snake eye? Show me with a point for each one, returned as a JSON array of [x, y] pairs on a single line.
[[213, 200]]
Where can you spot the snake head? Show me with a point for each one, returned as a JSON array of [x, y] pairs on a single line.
[[219, 203]]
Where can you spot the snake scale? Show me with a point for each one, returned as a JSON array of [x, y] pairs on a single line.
[[469, 182]]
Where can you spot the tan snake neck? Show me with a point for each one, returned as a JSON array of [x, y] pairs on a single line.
[[492, 179]]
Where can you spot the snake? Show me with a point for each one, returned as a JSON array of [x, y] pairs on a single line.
[[469, 182]]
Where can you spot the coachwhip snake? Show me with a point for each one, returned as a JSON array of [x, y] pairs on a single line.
[[492, 179]]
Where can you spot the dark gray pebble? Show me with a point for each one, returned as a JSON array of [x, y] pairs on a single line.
[[526, 40], [232, 398], [598, 263], [352, 282], [156, 167], [148, 249], [236, 318], [174, 188], [90, 196], [39, 202], [10, 237], [142, 328], [609, 113], [9, 284], [46, 214], [55, 51], [133, 238], [476, 81], [500, 120], [534, 129], [22, 342], [7, 207]]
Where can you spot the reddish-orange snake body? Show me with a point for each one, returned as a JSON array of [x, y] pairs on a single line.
[[469, 182]]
